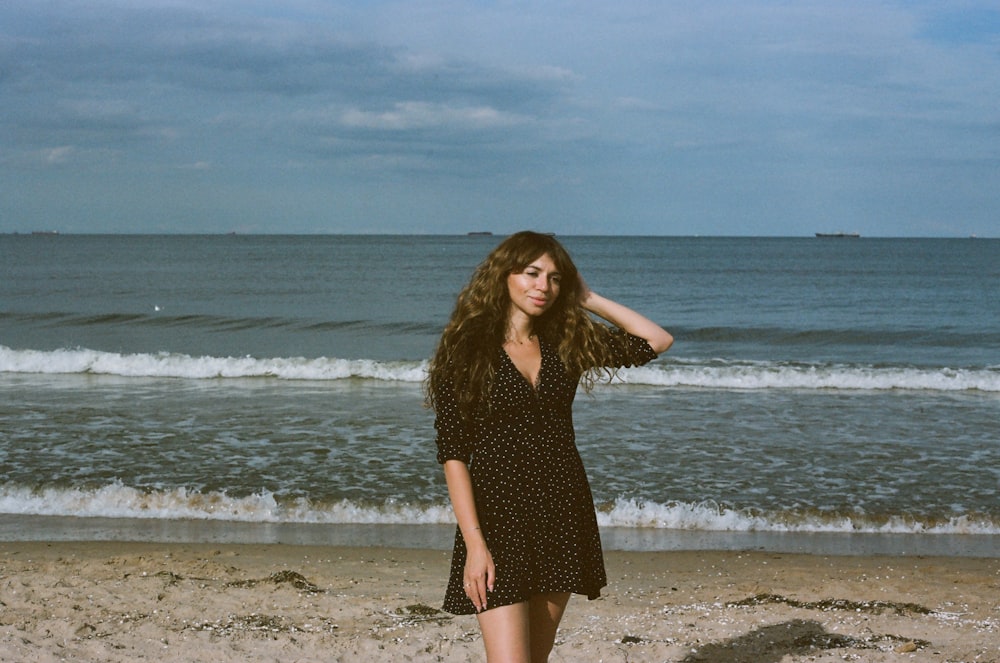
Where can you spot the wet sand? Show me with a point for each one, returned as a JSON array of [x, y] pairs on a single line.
[[118, 602]]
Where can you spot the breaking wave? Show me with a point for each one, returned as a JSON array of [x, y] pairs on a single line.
[[116, 500], [704, 374]]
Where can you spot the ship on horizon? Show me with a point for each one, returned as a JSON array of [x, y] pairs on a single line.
[[838, 234]]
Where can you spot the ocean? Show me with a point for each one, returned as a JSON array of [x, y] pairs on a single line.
[[823, 394]]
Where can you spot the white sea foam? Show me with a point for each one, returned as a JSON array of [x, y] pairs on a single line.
[[170, 365], [117, 500], [712, 374], [777, 375], [120, 501], [713, 517]]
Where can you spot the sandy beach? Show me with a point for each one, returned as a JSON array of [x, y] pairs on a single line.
[[112, 601]]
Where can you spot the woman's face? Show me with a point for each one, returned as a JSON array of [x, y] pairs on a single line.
[[534, 289]]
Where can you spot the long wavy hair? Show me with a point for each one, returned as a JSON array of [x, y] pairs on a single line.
[[467, 356]]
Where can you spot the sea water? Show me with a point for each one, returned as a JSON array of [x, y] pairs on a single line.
[[270, 388]]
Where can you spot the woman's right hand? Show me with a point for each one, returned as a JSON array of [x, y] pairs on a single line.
[[479, 569], [479, 575]]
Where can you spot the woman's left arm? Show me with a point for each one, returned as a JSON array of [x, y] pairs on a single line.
[[625, 318]]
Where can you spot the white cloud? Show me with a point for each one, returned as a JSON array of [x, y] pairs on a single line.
[[707, 111], [408, 115], [57, 155]]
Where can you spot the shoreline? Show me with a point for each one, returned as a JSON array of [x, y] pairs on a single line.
[[18, 528], [114, 601]]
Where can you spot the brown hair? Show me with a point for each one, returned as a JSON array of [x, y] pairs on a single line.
[[466, 357]]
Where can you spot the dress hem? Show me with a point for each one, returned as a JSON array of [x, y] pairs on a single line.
[[591, 596]]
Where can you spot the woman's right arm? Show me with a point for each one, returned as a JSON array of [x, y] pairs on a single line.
[[621, 316], [479, 569]]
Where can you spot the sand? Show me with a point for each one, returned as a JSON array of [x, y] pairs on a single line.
[[112, 601]]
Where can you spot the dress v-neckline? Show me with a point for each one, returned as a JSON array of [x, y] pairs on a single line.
[[536, 383]]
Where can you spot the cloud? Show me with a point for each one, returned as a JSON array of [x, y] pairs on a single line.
[[142, 73], [57, 155], [407, 115], [724, 113]]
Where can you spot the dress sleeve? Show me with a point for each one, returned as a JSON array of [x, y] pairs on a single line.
[[454, 439], [628, 350]]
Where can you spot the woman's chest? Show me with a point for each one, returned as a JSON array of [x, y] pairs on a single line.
[[553, 390]]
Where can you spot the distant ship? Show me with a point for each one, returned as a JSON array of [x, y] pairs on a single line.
[[840, 234], [480, 233]]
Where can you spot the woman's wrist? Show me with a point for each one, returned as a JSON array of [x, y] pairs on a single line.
[[473, 535], [590, 300]]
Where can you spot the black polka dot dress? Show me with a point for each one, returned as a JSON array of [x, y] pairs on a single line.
[[532, 495]]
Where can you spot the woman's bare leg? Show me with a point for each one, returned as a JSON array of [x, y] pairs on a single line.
[[523, 632], [545, 611], [506, 633]]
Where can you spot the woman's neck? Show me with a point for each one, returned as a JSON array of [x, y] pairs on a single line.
[[520, 331]]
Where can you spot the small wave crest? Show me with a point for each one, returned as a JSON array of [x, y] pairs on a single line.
[[755, 375], [171, 365], [715, 517], [117, 500], [702, 374]]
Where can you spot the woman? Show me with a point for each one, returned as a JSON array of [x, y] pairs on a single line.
[[502, 383]]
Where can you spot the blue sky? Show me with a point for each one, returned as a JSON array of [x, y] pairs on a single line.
[[442, 116]]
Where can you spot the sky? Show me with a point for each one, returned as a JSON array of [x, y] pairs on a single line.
[[645, 117]]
